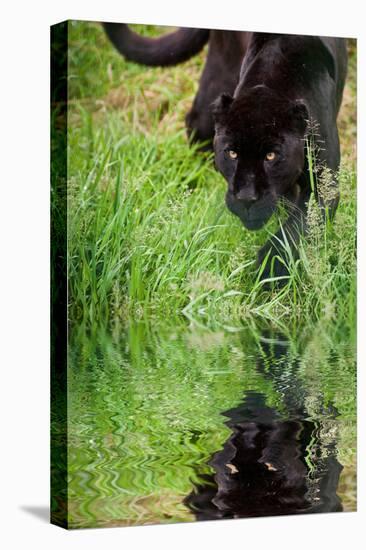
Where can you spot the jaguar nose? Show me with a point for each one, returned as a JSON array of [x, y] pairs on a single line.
[[248, 196]]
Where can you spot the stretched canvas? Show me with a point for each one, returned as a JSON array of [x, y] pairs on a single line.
[[203, 254]]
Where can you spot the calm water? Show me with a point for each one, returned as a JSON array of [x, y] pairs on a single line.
[[181, 424]]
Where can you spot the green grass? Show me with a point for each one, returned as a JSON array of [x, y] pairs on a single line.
[[148, 230]]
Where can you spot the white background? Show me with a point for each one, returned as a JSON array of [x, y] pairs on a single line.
[[24, 285]]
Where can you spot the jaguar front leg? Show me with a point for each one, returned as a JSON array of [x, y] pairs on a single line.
[[274, 257]]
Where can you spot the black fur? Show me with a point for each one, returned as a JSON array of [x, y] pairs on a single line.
[[221, 74], [288, 86], [257, 94], [166, 50]]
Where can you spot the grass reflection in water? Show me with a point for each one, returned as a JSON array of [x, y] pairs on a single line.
[[176, 425]]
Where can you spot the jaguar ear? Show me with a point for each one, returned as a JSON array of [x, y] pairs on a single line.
[[299, 114], [220, 106]]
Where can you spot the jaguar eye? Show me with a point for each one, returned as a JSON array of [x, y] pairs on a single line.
[[270, 156], [233, 155]]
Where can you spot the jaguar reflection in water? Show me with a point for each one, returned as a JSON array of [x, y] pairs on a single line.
[[273, 463], [167, 428]]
